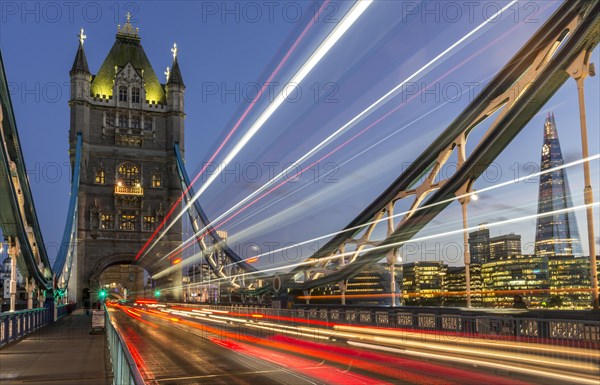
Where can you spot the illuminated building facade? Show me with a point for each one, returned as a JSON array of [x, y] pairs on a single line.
[[569, 282], [369, 287], [504, 245], [456, 287], [479, 245], [423, 283], [525, 275], [129, 124], [556, 235]]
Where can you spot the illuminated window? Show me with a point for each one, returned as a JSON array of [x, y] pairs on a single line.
[[135, 95], [128, 140], [107, 221], [128, 221], [148, 223], [156, 181], [129, 174], [122, 93], [100, 177]]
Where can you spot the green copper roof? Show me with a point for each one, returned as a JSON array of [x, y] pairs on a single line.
[[127, 49]]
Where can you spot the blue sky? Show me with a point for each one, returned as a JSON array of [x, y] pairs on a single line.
[[228, 47]]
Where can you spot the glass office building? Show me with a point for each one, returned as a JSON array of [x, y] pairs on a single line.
[[557, 234]]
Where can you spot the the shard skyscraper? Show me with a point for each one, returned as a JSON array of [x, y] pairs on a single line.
[[557, 234]]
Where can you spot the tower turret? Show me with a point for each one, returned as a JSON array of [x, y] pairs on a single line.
[[81, 80], [80, 73], [175, 95]]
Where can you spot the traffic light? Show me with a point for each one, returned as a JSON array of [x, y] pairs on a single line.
[[156, 293], [102, 294]]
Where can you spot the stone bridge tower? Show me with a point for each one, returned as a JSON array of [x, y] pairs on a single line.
[[129, 122]]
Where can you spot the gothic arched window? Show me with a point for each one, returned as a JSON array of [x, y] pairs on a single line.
[[135, 95], [100, 177], [129, 174], [135, 122], [94, 216], [128, 221], [122, 93]]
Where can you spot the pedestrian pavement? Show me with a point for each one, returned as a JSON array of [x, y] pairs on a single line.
[[62, 353]]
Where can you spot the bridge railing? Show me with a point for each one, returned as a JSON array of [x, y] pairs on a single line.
[[18, 324], [125, 370], [574, 338]]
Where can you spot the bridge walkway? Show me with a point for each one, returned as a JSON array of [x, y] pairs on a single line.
[[62, 353]]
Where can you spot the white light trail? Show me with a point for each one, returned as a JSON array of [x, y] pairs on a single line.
[[322, 176], [346, 126], [398, 244], [568, 378], [503, 184], [192, 259], [349, 19]]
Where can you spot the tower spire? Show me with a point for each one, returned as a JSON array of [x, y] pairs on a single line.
[[174, 75], [80, 63]]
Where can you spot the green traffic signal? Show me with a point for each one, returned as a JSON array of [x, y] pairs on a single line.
[[102, 294], [157, 293]]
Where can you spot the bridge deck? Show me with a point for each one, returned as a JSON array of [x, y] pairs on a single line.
[[62, 353]]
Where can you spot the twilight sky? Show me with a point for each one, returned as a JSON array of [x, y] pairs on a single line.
[[228, 49]]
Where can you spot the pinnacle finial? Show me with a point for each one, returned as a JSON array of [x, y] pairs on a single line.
[[168, 73], [127, 28], [81, 36], [174, 50]]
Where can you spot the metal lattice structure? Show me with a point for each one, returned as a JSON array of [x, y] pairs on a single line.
[[514, 96], [214, 249]]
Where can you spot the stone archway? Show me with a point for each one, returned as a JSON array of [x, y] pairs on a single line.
[[124, 280], [114, 274], [170, 285]]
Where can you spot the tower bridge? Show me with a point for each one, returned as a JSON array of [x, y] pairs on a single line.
[[129, 123], [130, 193]]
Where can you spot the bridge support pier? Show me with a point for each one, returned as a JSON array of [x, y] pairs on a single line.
[[342, 285], [306, 296], [391, 260], [464, 201], [41, 298], [13, 252], [29, 287], [580, 70]]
